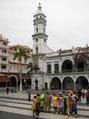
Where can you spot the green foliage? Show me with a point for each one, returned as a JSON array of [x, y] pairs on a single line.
[[21, 52]]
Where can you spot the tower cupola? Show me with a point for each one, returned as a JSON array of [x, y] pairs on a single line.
[[39, 36], [39, 11]]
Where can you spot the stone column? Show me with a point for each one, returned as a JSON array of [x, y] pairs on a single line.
[[60, 67], [61, 86], [74, 85], [52, 67]]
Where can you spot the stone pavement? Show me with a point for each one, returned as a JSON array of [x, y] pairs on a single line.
[[18, 103]]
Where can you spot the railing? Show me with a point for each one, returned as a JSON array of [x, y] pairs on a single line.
[[65, 71], [4, 62], [4, 54], [49, 72], [4, 70]]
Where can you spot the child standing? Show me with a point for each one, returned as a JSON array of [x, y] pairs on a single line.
[[34, 105]]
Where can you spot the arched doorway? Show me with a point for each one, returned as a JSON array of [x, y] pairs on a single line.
[[36, 84], [68, 83], [46, 85], [56, 84], [81, 83], [67, 66], [12, 82]]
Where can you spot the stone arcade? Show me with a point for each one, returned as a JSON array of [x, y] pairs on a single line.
[[60, 70]]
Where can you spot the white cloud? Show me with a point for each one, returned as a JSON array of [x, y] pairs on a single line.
[[67, 21]]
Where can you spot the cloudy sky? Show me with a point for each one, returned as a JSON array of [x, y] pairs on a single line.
[[67, 22]]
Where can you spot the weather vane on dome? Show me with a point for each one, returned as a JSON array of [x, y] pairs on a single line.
[[40, 1]]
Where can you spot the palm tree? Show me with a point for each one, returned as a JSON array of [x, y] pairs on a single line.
[[21, 53]]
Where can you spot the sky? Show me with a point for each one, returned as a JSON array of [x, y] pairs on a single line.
[[67, 22]]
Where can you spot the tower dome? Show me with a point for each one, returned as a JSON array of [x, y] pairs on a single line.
[[39, 11]]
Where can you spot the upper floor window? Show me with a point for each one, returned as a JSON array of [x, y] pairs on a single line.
[[44, 30], [44, 40], [36, 39], [3, 67], [49, 68], [37, 17], [36, 29], [4, 43], [36, 50], [4, 51], [56, 68], [28, 52], [4, 59]]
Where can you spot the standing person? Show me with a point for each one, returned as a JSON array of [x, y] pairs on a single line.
[[38, 104], [34, 105], [37, 108], [42, 101], [47, 102], [87, 97], [38, 99], [51, 101], [79, 93], [7, 90], [29, 96], [60, 104], [83, 90], [68, 104], [65, 105], [74, 104], [55, 103]]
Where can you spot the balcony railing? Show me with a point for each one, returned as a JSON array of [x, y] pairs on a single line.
[[4, 54], [49, 72], [4, 62], [4, 70], [82, 70], [75, 70], [66, 70]]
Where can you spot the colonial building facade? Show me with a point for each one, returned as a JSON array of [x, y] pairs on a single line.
[[60, 70], [10, 68]]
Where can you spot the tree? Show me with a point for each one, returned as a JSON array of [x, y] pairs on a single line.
[[21, 53]]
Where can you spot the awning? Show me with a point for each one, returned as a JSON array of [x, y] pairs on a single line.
[[4, 79]]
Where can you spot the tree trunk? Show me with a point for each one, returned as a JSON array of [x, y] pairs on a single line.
[[20, 78]]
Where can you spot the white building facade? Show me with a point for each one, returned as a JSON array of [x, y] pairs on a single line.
[[61, 70]]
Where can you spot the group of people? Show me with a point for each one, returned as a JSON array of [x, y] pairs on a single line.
[[60, 102]]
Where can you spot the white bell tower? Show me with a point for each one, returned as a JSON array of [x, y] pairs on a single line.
[[39, 36]]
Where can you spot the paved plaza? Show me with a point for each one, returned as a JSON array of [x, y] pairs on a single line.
[[16, 106]]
